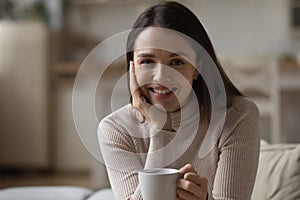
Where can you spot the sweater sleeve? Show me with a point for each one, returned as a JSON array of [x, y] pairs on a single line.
[[239, 154], [122, 163], [123, 160]]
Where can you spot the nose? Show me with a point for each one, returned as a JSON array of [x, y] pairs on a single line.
[[161, 73]]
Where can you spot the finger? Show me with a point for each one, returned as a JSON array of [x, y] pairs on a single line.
[[133, 81], [195, 178], [187, 168], [140, 103], [182, 194], [189, 186], [138, 100]]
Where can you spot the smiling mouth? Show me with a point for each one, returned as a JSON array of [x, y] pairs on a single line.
[[162, 91]]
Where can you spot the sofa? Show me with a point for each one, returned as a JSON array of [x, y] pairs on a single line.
[[278, 175], [278, 178], [55, 193]]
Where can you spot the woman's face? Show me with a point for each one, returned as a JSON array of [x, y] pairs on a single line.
[[164, 65]]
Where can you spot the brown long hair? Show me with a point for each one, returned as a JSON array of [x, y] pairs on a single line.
[[175, 16]]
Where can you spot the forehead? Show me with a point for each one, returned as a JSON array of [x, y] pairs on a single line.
[[164, 39]]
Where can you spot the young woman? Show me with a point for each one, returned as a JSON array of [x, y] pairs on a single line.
[[180, 115]]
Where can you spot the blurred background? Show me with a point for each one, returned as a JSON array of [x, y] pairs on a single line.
[[43, 43]]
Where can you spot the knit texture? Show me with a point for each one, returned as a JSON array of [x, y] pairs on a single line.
[[129, 145]]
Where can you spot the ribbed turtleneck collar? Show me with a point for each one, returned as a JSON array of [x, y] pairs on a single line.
[[187, 114]]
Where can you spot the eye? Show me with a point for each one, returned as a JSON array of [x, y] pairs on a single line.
[[176, 62], [147, 62]]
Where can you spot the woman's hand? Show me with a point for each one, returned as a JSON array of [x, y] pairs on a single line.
[[157, 118], [191, 186]]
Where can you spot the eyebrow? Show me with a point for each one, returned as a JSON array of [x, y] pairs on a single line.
[[149, 55], [179, 54]]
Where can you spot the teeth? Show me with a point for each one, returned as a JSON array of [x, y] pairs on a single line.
[[165, 91]]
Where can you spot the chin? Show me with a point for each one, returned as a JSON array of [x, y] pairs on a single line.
[[166, 107]]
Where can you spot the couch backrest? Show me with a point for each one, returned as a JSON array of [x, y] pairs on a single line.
[[278, 175]]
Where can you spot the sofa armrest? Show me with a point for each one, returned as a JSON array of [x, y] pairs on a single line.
[[45, 193], [104, 194]]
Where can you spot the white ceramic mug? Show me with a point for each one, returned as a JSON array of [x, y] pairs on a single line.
[[160, 183]]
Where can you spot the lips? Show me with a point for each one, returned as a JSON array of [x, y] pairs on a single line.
[[161, 92]]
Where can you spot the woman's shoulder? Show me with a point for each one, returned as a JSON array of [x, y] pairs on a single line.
[[120, 115], [242, 106], [124, 119], [114, 126], [242, 110], [242, 120]]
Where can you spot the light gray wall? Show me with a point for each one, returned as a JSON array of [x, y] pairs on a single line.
[[240, 27], [104, 20], [247, 27], [253, 27]]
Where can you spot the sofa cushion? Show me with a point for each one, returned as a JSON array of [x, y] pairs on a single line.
[[45, 193], [278, 175]]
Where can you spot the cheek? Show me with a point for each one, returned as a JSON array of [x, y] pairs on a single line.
[[186, 84], [189, 76], [143, 77]]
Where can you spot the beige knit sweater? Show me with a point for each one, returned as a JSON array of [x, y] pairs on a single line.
[[230, 165]]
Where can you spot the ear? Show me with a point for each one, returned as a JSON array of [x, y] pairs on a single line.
[[197, 69], [196, 74]]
